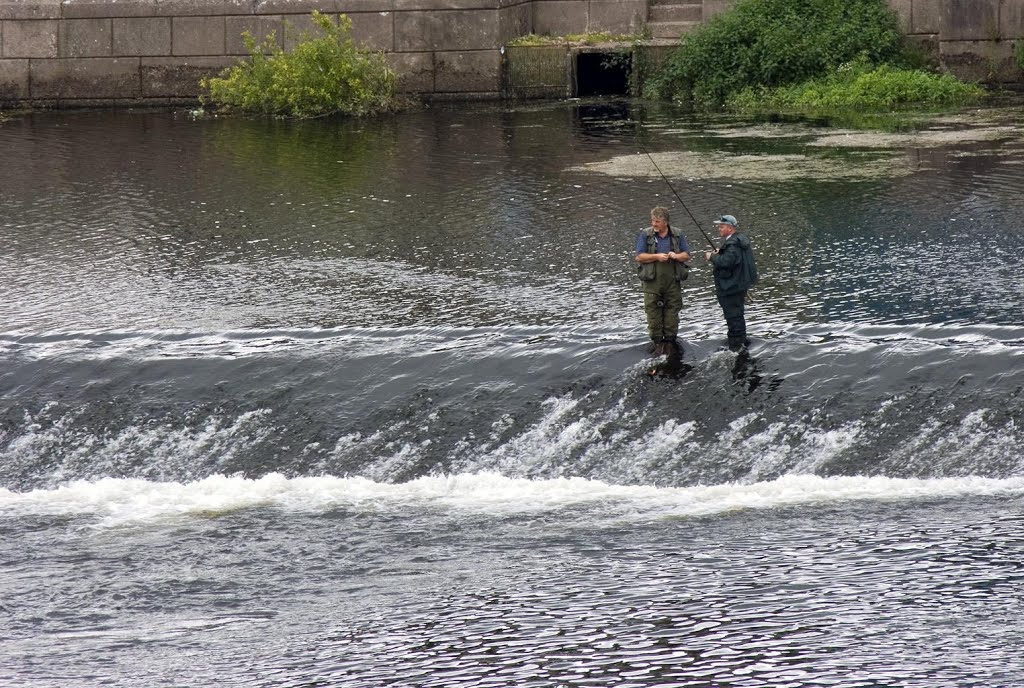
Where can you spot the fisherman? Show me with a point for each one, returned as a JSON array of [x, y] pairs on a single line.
[[735, 272], [661, 255]]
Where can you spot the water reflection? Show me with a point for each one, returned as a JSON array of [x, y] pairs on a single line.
[[488, 215]]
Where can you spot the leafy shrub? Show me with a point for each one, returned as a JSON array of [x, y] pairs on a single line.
[[770, 43], [859, 85], [323, 75]]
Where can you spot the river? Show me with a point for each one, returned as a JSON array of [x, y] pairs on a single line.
[[368, 403]]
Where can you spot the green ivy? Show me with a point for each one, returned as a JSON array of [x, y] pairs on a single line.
[[323, 75], [772, 43]]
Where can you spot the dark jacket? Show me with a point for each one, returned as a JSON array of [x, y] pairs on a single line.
[[734, 267]]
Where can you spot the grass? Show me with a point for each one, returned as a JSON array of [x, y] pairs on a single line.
[[591, 38], [859, 86]]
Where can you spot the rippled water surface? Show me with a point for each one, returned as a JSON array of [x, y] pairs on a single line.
[[494, 217], [367, 403]]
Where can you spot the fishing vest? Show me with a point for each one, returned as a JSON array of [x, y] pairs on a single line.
[[646, 271]]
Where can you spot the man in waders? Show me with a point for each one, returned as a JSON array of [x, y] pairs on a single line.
[[661, 254], [735, 272]]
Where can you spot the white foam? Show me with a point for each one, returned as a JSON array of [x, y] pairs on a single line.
[[112, 502]]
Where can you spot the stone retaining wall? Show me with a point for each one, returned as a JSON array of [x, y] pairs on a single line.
[[123, 52], [80, 52]]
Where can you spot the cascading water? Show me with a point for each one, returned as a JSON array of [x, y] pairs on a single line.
[[368, 403]]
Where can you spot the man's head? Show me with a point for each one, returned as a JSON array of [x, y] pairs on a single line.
[[659, 219], [726, 225]]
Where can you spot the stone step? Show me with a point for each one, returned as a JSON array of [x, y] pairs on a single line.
[[698, 3], [675, 13], [671, 29]]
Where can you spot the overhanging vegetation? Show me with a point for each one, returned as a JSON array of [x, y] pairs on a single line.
[[323, 75], [802, 54]]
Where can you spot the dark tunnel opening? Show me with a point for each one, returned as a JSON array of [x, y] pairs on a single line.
[[602, 74]]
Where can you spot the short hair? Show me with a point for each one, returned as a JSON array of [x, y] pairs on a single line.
[[659, 213]]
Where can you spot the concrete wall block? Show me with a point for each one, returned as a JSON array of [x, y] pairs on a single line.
[[299, 27], [375, 30], [434, 5], [970, 20], [296, 6], [92, 103], [260, 27], [456, 30], [96, 9], [1011, 19], [13, 80], [197, 35], [514, 21], [905, 11], [467, 71], [30, 9], [928, 45], [415, 71], [989, 61], [926, 16], [30, 38], [176, 77], [204, 8], [85, 38], [654, 56], [97, 77], [560, 17], [366, 5], [142, 36], [677, 13], [538, 66], [617, 16]]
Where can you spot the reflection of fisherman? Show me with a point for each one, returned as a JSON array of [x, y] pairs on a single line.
[[661, 253], [735, 272]]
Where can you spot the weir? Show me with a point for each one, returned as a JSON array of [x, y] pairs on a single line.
[[366, 401]]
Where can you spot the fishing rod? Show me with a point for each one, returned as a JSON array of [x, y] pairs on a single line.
[[651, 158]]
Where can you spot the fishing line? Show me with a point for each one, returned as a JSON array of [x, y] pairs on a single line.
[[651, 158]]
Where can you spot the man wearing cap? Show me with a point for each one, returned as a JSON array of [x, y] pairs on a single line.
[[735, 272], [661, 255]]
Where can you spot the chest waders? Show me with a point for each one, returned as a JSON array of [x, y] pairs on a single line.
[[663, 298]]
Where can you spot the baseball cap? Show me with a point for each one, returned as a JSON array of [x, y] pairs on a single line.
[[726, 220]]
